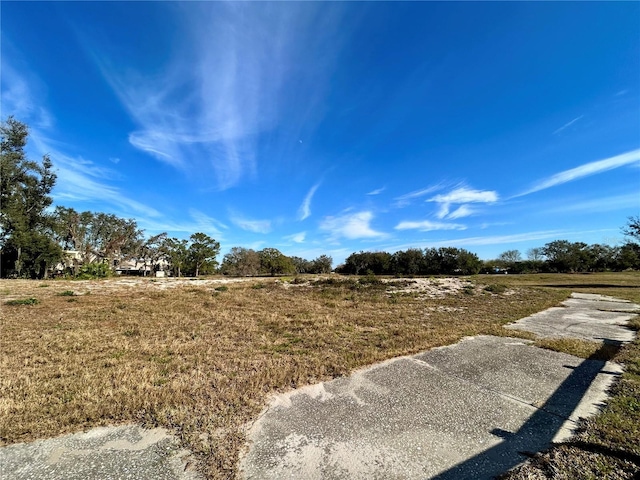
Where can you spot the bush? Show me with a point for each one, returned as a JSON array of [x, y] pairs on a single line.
[[66, 293], [94, 270], [222, 288], [22, 301], [495, 288], [370, 279]]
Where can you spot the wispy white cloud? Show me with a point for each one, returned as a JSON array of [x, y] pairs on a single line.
[[406, 199], [250, 225], [377, 191], [206, 223], [591, 168], [604, 204], [296, 237], [81, 180], [229, 82], [78, 179], [567, 125], [427, 226], [461, 212], [486, 225], [466, 195], [305, 208], [462, 195], [198, 222], [72, 184], [351, 226], [17, 98]]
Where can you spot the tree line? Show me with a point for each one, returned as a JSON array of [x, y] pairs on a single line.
[[414, 261], [243, 262], [563, 256], [36, 240], [559, 256]]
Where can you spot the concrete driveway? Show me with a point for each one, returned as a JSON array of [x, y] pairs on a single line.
[[467, 411]]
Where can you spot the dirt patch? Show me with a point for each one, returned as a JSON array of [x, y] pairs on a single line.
[[430, 287]]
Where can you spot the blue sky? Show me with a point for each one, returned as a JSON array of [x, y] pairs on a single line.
[[336, 127]]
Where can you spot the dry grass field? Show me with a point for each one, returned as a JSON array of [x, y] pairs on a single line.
[[202, 357]]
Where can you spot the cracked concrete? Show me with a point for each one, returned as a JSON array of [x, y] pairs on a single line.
[[118, 453]]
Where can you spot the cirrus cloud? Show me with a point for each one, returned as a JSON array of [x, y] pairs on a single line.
[[592, 168], [351, 226], [461, 196], [427, 226], [250, 225], [304, 211]]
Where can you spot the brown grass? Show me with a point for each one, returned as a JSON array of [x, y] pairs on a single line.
[[618, 284], [203, 362]]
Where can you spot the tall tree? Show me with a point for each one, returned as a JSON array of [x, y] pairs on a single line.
[[113, 238], [203, 252], [176, 252], [301, 265], [632, 228], [322, 264], [274, 262], [150, 251], [26, 246], [535, 254], [241, 262], [510, 256], [408, 262], [71, 231], [565, 256]]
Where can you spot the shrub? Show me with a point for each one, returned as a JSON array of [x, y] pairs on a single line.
[[495, 288], [22, 301], [66, 293], [94, 270], [221, 288], [370, 279]]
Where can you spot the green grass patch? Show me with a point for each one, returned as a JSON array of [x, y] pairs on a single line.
[[23, 301], [580, 348]]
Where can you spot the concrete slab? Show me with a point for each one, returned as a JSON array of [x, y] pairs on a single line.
[[584, 316], [119, 453], [464, 411]]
